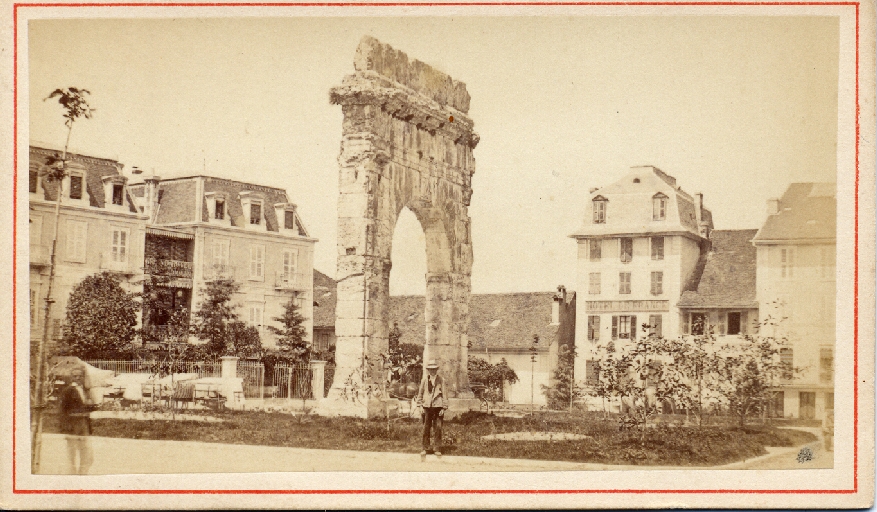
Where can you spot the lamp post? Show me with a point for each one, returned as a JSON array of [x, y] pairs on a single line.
[[533, 372]]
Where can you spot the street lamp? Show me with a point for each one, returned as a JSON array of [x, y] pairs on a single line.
[[533, 372]]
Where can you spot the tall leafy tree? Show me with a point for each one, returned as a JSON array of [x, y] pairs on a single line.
[[211, 322], [492, 376], [291, 334], [245, 339], [75, 104], [564, 392], [101, 318]]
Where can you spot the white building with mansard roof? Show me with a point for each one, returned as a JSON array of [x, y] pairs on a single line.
[[638, 247]]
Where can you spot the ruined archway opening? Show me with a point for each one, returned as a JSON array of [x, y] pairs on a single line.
[[408, 275]]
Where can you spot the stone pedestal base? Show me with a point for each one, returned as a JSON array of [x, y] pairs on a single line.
[[331, 406], [458, 406]]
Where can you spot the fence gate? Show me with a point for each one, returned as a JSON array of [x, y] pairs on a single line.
[[253, 375], [293, 382]]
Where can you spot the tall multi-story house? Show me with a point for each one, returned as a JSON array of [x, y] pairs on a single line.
[[100, 229], [796, 283], [642, 240], [202, 228]]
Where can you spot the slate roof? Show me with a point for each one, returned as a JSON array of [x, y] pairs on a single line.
[[96, 168], [177, 201], [325, 298], [725, 278], [505, 321], [501, 321], [808, 211]]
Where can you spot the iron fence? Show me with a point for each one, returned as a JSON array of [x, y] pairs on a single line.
[[293, 382], [201, 368], [253, 375]]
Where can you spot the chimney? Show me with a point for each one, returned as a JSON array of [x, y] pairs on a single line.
[[150, 196], [593, 189], [773, 206], [559, 297]]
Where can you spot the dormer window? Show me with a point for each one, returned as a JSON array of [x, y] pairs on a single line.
[[114, 191], [288, 220], [216, 208], [659, 206], [254, 215], [73, 186], [600, 209]]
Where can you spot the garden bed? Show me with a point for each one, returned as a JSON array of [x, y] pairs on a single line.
[[664, 445]]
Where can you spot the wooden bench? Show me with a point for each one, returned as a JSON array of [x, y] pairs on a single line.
[[209, 395], [151, 390], [184, 392]]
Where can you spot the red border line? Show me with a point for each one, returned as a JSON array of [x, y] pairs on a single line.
[[16, 490], [428, 4]]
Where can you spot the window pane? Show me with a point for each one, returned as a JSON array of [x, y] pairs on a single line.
[[698, 323], [33, 181], [596, 249], [75, 187], [117, 194], [657, 248], [626, 249], [657, 283], [594, 283], [220, 210], [734, 323], [255, 213], [289, 220], [624, 282]]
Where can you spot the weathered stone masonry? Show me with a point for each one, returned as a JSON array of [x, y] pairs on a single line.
[[407, 142]]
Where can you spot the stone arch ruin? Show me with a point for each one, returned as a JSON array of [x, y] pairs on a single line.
[[406, 143]]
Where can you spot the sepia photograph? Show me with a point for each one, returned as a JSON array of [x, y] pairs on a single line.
[[338, 251]]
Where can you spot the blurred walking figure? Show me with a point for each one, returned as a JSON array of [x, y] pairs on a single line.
[[431, 398], [76, 423]]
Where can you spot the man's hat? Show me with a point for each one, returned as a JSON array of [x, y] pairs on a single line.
[[431, 364]]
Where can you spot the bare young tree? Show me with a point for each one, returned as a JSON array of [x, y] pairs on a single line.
[[75, 105]]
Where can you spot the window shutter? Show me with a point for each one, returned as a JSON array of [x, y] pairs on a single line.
[[743, 321], [596, 328], [633, 327], [686, 324], [659, 328], [614, 327], [723, 322]]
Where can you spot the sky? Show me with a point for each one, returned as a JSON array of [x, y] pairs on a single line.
[[735, 107]]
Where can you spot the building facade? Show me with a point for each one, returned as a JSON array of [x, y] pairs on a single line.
[[203, 228], [641, 242], [100, 229], [796, 284]]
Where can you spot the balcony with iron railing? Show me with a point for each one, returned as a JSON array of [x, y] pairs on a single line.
[[169, 268], [291, 281]]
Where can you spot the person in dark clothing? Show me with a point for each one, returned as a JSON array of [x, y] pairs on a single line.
[[431, 398], [76, 423]]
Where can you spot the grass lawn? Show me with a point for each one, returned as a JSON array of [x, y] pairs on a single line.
[[663, 445]]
